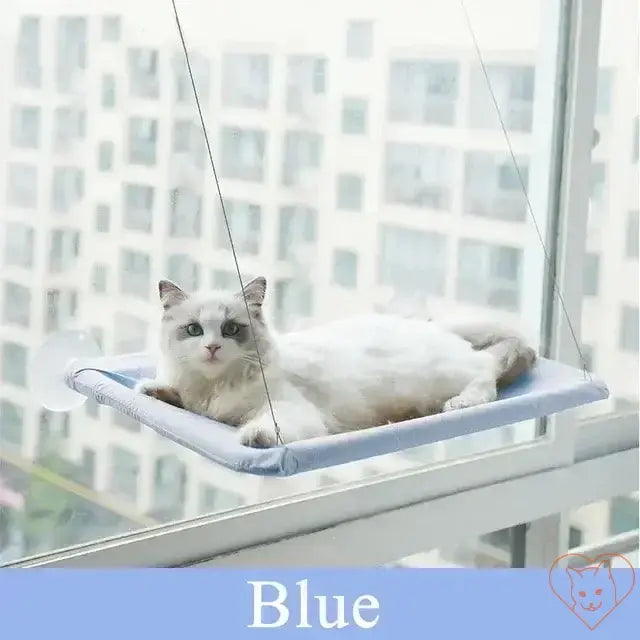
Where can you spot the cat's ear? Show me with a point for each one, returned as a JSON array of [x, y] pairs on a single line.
[[605, 565], [254, 291], [573, 574], [170, 294]]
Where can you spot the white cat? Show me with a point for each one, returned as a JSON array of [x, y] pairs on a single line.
[[349, 374]]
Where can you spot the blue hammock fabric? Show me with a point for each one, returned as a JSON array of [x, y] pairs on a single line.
[[551, 387]]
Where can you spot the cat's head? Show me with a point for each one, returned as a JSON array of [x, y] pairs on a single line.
[[592, 586], [207, 334]]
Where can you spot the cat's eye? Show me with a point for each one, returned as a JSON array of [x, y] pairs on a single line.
[[230, 328], [598, 592], [194, 329]]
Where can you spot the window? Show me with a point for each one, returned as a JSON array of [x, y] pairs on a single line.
[[302, 153], [99, 278], [218, 499], [22, 185], [603, 97], [633, 231], [243, 154], [350, 187], [14, 364], [591, 270], [138, 207], [223, 280], [345, 268], [293, 299], [108, 91], [28, 72], [245, 221], [25, 127], [67, 188], [598, 182], [629, 329], [359, 39], [306, 84], [185, 210], [492, 187], [183, 270], [125, 469], [18, 245], [245, 80], [16, 304], [135, 273], [296, 232], [11, 424], [111, 28], [411, 260], [105, 156], [354, 115], [513, 87], [200, 68], [142, 141], [189, 140], [103, 218], [69, 127], [130, 334], [423, 91], [64, 249], [418, 175], [489, 274], [623, 514], [144, 81], [575, 537], [61, 307], [170, 486], [71, 54]]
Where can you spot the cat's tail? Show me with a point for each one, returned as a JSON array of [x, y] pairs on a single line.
[[512, 352]]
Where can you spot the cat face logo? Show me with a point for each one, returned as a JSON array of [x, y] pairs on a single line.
[[593, 591]]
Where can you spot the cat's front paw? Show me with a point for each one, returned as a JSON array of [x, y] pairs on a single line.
[[258, 435], [160, 391]]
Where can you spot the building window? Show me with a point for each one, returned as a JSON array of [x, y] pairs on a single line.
[[218, 499], [306, 81], [185, 211], [359, 39], [142, 141], [67, 188], [182, 82], [135, 274], [354, 116], [591, 274], [489, 274], [111, 28], [18, 245], [25, 127], [99, 278], [633, 233], [492, 187], [412, 261], [108, 91], [598, 182], [224, 280], [22, 185], [350, 187], [16, 308], [603, 92], [513, 87], [170, 487], [245, 80], [302, 152], [71, 51], [69, 127], [293, 299], [103, 218], [14, 364], [105, 155], [297, 231], [27, 70], [185, 271], [61, 306], [243, 153], [125, 469], [144, 81], [623, 515], [423, 91], [575, 537], [345, 268], [418, 175], [245, 222], [11, 423], [188, 139], [64, 249], [130, 334], [629, 329], [138, 207]]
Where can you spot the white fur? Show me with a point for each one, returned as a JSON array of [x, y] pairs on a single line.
[[349, 374]]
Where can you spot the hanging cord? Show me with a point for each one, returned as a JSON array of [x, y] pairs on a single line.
[[556, 287], [224, 213]]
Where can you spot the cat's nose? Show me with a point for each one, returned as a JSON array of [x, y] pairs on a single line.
[[212, 348]]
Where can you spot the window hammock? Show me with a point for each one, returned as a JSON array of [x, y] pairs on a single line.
[[549, 388]]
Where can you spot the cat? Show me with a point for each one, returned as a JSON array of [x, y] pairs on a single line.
[[349, 374], [593, 591]]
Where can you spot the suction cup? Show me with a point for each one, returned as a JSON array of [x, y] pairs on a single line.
[[51, 363]]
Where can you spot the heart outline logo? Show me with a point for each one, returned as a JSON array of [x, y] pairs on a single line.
[[597, 570]]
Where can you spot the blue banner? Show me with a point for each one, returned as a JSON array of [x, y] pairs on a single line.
[[382, 603]]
